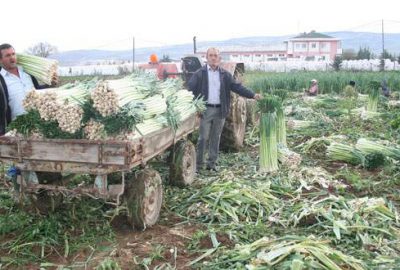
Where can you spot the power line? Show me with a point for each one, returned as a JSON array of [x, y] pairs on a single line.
[[361, 26], [392, 21]]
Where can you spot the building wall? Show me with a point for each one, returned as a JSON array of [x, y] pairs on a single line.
[[254, 56], [319, 49]]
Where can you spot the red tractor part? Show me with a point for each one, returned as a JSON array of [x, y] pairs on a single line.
[[163, 70]]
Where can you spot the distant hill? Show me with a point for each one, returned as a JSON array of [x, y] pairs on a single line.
[[355, 40], [350, 40]]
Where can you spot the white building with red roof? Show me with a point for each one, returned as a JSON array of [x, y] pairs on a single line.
[[311, 46]]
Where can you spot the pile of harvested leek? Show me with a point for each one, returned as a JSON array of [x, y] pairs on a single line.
[[226, 202], [116, 109], [345, 218], [288, 252]]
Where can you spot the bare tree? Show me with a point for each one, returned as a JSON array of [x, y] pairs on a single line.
[[42, 49]]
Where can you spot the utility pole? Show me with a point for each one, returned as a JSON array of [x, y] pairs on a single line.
[[383, 47], [133, 54], [194, 45]]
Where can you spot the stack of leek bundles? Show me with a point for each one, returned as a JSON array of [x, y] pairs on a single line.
[[122, 109]]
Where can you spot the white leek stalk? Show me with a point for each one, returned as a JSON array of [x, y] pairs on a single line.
[[43, 69]]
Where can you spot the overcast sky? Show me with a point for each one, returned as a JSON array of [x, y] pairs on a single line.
[[100, 24]]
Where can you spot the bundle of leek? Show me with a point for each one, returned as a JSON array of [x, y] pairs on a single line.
[[74, 95], [373, 97], [45, 70], [344, 152], [300, 124], [170, 86], [61, 105], [394, 103], [317, 146], [127, 90], [109, 96], [371, 147], [287, 157], [148, 126], [186, 104], [173, 117], [154, 106], [268, 141], [280, 117], [94, 130]]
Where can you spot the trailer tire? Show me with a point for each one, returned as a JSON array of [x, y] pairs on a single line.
[[44, 201], [182, 168], [253, 117], [144, 195]]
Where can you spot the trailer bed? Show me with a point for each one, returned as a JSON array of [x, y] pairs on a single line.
[[92, 157]]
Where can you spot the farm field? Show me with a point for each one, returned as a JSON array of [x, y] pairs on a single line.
[[333, 204]]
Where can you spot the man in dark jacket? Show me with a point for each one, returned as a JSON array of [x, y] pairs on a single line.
[[214, 84], [14, 84]]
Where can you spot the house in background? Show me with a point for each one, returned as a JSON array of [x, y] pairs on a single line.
[[311, 46], [276, 52]]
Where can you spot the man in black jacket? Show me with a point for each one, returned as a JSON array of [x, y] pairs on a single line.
[[14, 83], [214, 84]]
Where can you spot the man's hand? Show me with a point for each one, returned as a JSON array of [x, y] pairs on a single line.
[[257, 96]]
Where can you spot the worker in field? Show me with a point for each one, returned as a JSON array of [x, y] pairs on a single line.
[[14, 85], [350, 90], [385, 89], [313, 90], [214, 84]]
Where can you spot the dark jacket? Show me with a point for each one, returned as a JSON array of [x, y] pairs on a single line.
[[198, 84], [5, 110]]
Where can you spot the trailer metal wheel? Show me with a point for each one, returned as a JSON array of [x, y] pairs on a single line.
[[235, 124], [253, 117], [182, 168], [43, 200], [144, 195]]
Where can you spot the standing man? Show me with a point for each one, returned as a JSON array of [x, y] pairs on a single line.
[[14, 85], [214, 84]]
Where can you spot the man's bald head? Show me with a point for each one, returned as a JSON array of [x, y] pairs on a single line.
[[212, 50]]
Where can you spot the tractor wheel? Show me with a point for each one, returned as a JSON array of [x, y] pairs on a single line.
[[44, 201], [235, 124], [144, 195], [182, 168], [253, 117]]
